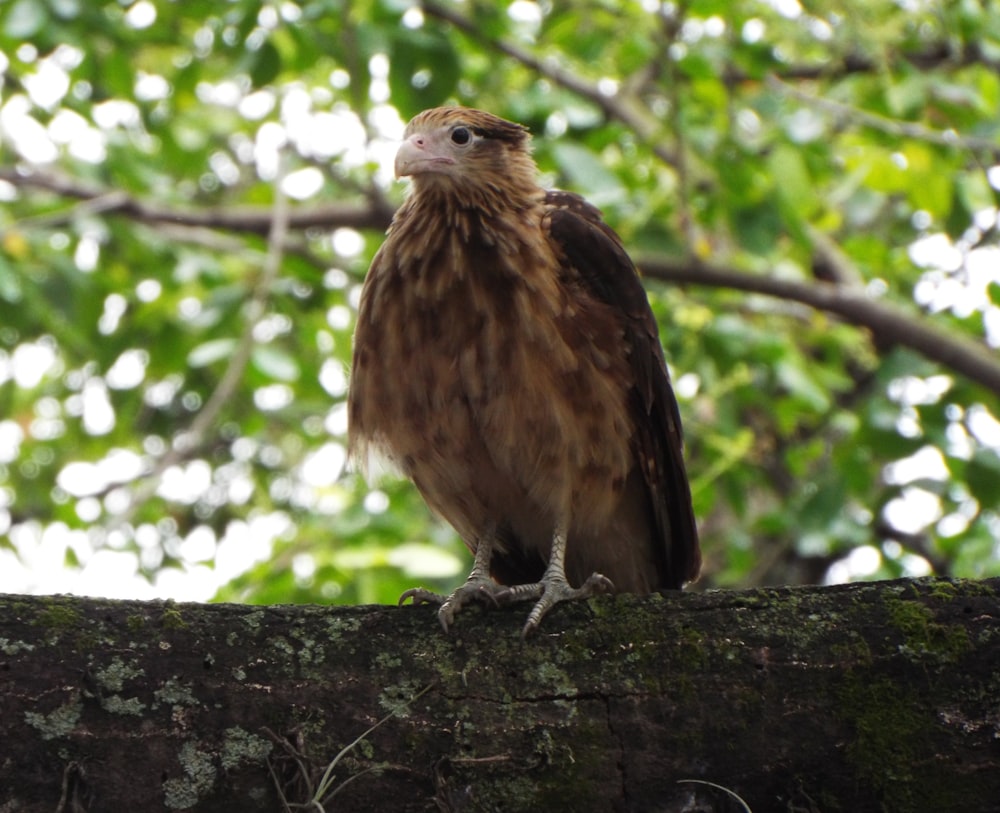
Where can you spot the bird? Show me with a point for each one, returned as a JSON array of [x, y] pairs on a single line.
[[507, 361]]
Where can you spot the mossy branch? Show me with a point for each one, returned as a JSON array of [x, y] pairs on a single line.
[[864, 697]]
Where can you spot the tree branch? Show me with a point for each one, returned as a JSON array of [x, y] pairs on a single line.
[[891, 322], [870, 697], [932, 56], [374, 214]]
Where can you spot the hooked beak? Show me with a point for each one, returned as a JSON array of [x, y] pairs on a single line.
[[416, 155]]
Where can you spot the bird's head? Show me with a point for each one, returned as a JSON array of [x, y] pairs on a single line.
[[456, 148]]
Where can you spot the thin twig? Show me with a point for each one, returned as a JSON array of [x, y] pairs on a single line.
[[615, 105], [931, 56], [327, 780], [107, 201], [724, 789], [884, 124], [671, 24]]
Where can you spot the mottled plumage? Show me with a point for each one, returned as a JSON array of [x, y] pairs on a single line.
[[507, 361]]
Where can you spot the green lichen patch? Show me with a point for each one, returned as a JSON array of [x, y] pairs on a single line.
[[253, 620], [385, 660], [396, 699], [8, 647], [855, 652], [57, 723], [130, 706], [311, 652], [549, 680], [175, 693], [338, 626], [949, 589], [113, 676], [691, 650], [198, 780], [240, 746]]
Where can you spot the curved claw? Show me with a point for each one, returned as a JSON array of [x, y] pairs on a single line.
[[553, 591], [420, 596], [475, 590], [486, 592]]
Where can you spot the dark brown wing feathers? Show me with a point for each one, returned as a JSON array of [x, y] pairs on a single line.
[[595, 252]]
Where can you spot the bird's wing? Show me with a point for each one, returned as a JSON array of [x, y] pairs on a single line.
[[595, 256]]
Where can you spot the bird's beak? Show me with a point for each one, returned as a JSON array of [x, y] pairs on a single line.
[[417, 155]]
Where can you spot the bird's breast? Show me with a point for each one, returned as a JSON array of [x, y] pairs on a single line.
[[479, 356]]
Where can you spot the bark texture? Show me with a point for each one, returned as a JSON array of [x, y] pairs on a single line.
[[868, 697]]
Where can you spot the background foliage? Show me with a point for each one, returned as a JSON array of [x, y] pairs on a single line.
[[192, 193]]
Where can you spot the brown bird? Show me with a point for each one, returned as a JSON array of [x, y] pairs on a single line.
[[507, 361]]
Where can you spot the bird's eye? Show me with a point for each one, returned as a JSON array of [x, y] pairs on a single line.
[[461, 136]]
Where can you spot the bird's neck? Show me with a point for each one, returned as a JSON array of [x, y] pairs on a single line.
[[480, 212], [486, 196]]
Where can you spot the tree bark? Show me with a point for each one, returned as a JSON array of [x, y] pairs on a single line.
[[865, 697]]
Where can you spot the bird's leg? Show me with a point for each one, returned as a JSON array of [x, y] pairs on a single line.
[[477, 587], [554, 586]]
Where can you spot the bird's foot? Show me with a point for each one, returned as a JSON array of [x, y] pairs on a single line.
[[551, 590], [476, 589]]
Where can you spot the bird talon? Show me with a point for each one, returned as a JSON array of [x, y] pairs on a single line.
[[446, 615], [552, 591], [597, 584], [419, 596], [475, 589]]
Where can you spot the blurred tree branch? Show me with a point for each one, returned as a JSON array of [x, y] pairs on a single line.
[[889, 321], [374, 213], [929, 57]]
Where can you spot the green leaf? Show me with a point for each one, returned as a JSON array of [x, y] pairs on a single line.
[[65, 9], [117, 74], [788, 168], [10, 282], [424, 69], [24, 19], [983, 475], [758, 227], [264, 64], [275, 363], [588, 174], [211, 352]]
